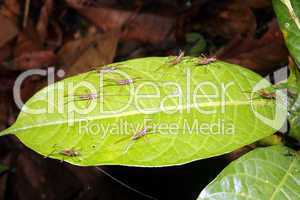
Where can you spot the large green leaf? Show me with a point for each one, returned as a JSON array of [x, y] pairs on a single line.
[[181, 131], [264, 173], [288, 15]]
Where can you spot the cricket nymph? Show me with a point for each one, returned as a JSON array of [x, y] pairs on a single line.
[[125, 81], [69, 152], [140, 134], [203, 60]]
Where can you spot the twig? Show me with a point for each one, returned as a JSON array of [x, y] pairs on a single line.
[[26, 12]]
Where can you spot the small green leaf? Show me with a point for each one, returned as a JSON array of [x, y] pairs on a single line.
[[196, 44], [288, 15], [294, 119], [264, 173], [201, 111], [2, 168], [293, 81], [294, 102]]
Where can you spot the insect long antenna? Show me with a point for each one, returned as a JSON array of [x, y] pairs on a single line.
[[73, 100], [124, 184]]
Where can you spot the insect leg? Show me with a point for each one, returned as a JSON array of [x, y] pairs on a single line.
[[88, 103], [128, 146], [132, 141]]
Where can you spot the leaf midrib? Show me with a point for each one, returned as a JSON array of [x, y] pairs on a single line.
[[130, 113]]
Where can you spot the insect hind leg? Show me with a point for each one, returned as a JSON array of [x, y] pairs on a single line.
[[131, 142], [128, 146]]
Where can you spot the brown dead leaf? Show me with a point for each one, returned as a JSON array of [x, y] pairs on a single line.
[[31, 85], [54, 36], [261, 55], [5, 52], [29, 52], [71, 50], [28, 41], [8, 31], [228, 19], [11, 10], [141, 27], [36, 59], [42, 24], [85, 53]]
